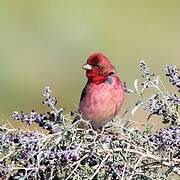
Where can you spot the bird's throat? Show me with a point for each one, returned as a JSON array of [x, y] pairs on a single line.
[[98, 79]]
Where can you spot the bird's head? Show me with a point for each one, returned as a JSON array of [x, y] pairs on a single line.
[[98, 67]]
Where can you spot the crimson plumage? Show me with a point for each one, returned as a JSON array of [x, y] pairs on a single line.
[[103, 94]]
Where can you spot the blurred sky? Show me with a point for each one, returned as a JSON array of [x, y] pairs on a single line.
[[45, 42]]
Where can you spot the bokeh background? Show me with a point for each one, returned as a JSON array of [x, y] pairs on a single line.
[[45, 42]]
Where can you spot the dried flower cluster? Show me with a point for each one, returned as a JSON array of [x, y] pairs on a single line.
[[68, 151], [168, 140], [32, 154], [162, 103], [174, 76], [49, 120]]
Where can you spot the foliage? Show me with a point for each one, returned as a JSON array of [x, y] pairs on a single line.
[[76, 151]]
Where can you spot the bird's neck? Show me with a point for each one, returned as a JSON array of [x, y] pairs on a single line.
[[99, 79]]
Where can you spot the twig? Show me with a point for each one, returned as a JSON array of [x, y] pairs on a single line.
[[11, 152], [100, 166], [124, 170], [151, 156], [136, 165], [77, 165]]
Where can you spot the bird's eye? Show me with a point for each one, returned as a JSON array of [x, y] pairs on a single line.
[[97, 65]]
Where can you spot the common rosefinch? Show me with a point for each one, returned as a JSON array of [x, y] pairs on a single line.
[[103, 94]]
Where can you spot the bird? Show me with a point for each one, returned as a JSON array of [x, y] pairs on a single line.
[[103, 94]]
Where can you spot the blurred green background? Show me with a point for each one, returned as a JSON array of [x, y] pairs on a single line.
[[46, 42]]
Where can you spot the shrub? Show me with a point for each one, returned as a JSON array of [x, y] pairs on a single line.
[[118, 151]]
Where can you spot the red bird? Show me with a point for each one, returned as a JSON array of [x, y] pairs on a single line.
[[103, 94]]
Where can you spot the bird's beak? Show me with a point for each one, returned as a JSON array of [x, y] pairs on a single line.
[[87, 67]]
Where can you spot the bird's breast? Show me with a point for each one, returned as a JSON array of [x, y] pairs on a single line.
[[101, 102]]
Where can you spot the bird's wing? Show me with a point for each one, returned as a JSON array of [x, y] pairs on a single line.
[[83, 94]]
